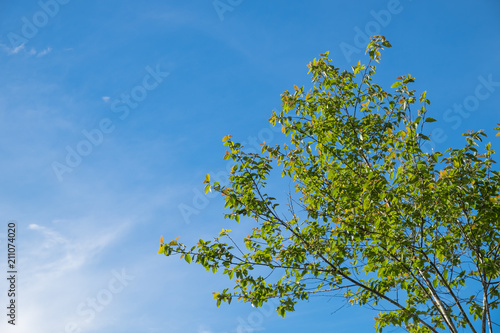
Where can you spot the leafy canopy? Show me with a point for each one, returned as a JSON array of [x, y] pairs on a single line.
[[381, 221]]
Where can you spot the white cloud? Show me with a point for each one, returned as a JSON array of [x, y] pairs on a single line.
[[44, 52], [56, 254], [15, 50], [202, 329], [57, 272], [22, 47], [106, 99]]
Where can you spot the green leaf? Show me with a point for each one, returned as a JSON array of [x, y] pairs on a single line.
[[422, 96], [207, 179], [430, 120], [396, 84]]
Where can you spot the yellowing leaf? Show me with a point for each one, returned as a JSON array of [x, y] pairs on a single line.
[[207, 179], [227, 137], [161, 249], [422, 97], [498, 134], [295, 87], [161, 239]]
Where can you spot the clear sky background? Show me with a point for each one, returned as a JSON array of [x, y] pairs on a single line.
[[112, 112]]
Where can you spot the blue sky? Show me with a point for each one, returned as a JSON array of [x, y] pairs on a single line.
[[112, 112]]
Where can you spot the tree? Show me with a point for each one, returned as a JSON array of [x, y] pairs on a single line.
[[373, 216]]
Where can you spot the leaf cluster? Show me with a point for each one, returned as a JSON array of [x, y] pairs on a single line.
[[373, 217]]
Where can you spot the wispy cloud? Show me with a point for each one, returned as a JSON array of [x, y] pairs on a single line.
[[14, 50], [57, 253], [44, 52], [22, 47], [58, 269], [202, 329]]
